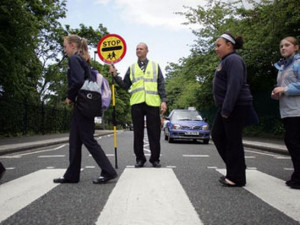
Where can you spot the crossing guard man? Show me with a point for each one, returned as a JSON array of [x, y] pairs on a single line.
[[148, 98]]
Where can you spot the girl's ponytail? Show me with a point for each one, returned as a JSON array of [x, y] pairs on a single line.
[[81, 44]]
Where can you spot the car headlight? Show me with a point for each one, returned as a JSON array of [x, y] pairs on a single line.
[[176, 127], [205, 127]]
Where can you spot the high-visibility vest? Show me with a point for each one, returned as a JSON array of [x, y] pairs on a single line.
[[144, 84]]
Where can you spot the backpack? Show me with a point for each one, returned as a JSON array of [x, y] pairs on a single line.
[[105, 88]]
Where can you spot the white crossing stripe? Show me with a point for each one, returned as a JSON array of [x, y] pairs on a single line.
[[18, 193], [273, 191], [156, 193]]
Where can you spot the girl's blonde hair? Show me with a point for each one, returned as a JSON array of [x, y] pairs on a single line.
[[81, 45]]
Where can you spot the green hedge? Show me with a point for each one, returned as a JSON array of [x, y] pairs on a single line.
[[22, 118]]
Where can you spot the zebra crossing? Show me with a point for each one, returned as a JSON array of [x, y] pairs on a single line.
[[273, 191], [159, 199], [18, 193]]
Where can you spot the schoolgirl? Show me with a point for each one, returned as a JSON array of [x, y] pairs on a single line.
[[234, 100], [288, 94], [82, 128]]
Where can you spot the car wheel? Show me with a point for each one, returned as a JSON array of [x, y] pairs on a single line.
[[170, 140], [205, 141]]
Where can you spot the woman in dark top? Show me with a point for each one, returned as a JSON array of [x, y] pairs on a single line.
[[234, 100], [82, 128]]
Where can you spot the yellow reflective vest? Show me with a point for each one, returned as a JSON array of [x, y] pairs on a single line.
[[144, 84]]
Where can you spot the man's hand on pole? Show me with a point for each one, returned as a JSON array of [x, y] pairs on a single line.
[[112, 70]]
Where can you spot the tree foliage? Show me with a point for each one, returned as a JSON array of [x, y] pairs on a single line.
[[22, 23], [31, 46]]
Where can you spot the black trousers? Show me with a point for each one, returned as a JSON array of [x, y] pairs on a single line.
[[138, 112], [82, 132], [227, 137], [292, 142]]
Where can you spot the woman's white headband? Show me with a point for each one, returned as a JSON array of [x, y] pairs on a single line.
[[228, 38]]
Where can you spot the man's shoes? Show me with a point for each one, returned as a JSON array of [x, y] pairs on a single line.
[[103, 180], [294, 185], [62, 180], [139, 164], [156, 164], [289, 182]]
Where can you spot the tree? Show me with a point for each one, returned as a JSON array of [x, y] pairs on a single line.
[[21, 23]]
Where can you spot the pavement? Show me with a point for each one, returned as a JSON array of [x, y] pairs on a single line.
[[15, 144]]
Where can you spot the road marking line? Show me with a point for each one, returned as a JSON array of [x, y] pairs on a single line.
[[212, 167], [50, 167], [261, 153], [282, 157], [108, 155], [288, 168], [35, 152], [250, 157], [10, 168], [20, 192], [196, 156], [279, 195], [251, 168], [90, 167], [146, 150], [10, 157], [148, 196], [51, 156], [130, 166], [171, 167]]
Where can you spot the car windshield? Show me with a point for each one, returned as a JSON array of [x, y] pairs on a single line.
[[186, 115]]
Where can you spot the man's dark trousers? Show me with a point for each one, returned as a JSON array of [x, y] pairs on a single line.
[[138, 111]]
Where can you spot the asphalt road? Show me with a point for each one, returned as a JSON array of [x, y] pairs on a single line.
[[196, 166]]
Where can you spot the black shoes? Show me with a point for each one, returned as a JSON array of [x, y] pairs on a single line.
[[156, 164], [292, 184], [62, 180], [103, 180], [2, 170], [139, 164], [100, 180]]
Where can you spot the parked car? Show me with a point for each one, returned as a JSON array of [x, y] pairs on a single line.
[[185, 124]]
